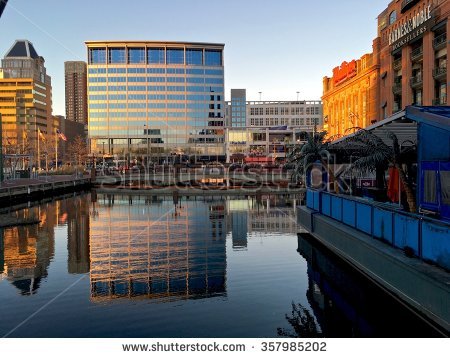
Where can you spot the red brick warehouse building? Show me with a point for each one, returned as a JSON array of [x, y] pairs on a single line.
[[413, 47]]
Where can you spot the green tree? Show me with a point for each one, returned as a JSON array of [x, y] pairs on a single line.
[[372, 152]]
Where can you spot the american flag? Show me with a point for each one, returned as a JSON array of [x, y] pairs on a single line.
[[61, 135]]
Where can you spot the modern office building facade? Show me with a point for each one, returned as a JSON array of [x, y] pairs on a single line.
[[414, 46], [350, 96], [75, 76], [150, 101], [270, 129], [25, 99]]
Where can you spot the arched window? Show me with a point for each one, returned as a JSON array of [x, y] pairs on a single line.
[[392, 17]]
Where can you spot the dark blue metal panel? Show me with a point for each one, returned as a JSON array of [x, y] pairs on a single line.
[[326, 204], [336, 208], [364, 218], [406, 232], [434, 143], [316, 200], [382, 224], [309, 199], [445, 204], [349, 212], [436, 244]]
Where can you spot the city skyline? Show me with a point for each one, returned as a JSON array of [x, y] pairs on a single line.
[[306, 58]]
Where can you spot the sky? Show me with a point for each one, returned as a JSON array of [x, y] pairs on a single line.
[[278, 47]]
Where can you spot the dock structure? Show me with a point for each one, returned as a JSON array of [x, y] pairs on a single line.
[[406, 254], [14, 191]]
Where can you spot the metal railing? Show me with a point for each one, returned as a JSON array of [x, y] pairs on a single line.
[[397, 87], [440, 40], [416, 80], [406, 4], [440, 71], [417, 53], [441, 101], [426, 237]]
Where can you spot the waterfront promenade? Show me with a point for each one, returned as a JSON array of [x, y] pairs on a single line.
[[24, 189]]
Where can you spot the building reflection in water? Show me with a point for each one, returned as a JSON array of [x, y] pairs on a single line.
[[162, 249], [347, 304], [77, 220], [28, 250], [174, 248], [261, 214]]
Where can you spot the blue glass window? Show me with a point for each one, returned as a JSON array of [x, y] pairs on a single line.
[[137, 79], [116, 70], [175, 56], [156, 96], [156, 88], [155, 55], [194, 56], [117, 88], [136, 88], [97, 88], [136, 70], [195, 80], [156, 70], [156, 79], [194, 71], [214, 72], [117, 79], [136, 55], [392, 17], [213, 57], [175, 88], [176, 70], [175, 79], [216, 81], [97, 55], [195, 88], [116, 55], [136, 97]]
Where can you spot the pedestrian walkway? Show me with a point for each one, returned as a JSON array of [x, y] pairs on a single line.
[[11, 183]]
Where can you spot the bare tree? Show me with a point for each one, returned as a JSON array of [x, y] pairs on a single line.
[[77, 151]]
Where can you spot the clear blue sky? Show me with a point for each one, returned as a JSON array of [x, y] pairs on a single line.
[[277, 47]]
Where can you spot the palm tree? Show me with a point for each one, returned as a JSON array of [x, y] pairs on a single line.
[[373, 152], [314, 150], [303, 323]]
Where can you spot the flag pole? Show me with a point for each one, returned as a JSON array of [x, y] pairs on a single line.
[[56, 148]]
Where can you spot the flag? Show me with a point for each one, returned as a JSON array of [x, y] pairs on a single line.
[[41, 135], [61, 135]]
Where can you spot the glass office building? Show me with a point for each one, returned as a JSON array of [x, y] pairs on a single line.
[[156, 101]]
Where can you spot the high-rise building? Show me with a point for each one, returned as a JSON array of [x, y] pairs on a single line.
[[2, 6], [25, 100], [75, 74], [238, 108], [154, 101]]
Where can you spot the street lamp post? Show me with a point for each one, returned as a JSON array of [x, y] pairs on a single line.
[[146, 133], [103, 152]]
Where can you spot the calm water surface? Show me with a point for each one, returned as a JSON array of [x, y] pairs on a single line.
[[137, 266]]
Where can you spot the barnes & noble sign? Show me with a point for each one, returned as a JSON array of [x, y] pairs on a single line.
[[411, 28]]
